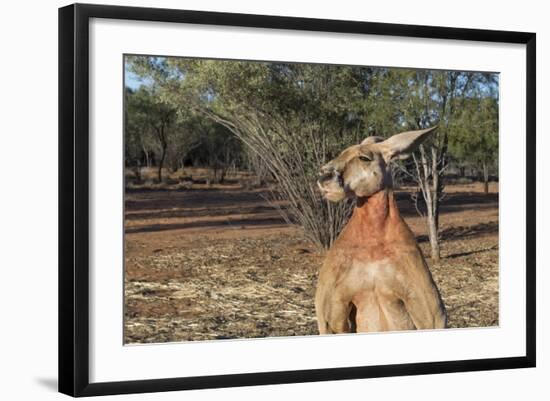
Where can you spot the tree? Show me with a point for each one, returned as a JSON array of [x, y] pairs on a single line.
[[475, 136], [135, 131], [184, 138], [159, 115], [218, 148]]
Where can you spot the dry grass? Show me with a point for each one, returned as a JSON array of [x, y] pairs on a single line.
[[216, 264], [231, 288]]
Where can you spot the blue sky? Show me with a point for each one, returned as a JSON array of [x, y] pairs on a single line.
[[131, 80]]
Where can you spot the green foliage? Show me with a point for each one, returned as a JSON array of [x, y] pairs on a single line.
[[475, 131], [149, 120], [135, 126]]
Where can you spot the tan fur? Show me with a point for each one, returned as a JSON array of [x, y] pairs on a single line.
[[374, 277]]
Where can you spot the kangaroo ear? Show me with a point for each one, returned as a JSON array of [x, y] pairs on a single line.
[[402, 145], [372, 139]]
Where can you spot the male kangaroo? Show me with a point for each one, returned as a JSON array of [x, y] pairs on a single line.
[[374, 277]]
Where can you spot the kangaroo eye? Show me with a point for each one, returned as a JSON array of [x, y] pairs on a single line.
[[364, 158]]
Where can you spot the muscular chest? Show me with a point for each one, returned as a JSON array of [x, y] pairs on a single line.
[[360, 271]]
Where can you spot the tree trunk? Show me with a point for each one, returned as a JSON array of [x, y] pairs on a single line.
[[485, 178], [433, 235], [137, 171], [161, 163], [431, 195], [146, 153]]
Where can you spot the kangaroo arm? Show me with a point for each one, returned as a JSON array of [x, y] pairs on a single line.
[[426, 311], [423, 301]]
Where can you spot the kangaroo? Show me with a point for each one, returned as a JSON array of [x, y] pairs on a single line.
[[374, 277]]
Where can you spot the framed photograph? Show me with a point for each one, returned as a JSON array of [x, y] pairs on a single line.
[[251, 199]]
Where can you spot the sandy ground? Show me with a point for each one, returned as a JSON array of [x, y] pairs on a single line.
[[217, 263]]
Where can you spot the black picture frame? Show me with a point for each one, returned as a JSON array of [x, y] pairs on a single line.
[[74, 201]]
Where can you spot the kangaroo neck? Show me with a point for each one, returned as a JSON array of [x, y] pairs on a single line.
[[374, 214]]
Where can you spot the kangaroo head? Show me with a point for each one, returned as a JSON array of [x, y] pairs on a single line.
[[364, 169]]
